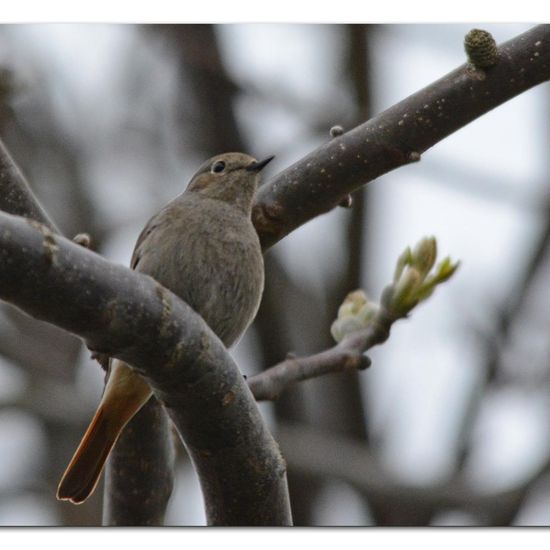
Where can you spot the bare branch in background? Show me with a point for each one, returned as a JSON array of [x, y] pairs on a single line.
[[16, 196], [337, 457], [208, 124]]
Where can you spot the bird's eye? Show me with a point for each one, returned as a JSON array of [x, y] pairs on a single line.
[[218, 167]]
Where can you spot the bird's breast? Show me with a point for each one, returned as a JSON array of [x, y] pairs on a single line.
[[215, 265]]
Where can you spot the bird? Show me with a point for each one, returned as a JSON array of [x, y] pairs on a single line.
[[203, 247]]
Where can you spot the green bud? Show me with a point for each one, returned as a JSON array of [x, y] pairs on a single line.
[[445, 270], [425, 290], [412, 284], [344, 326], [367, 313], [404, 289], [424, 255], [346, 310], [403, 260], [386, 299], [353, 302]]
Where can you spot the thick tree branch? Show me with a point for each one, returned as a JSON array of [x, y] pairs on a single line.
[[318, 182], [139, 475], [240, 468]]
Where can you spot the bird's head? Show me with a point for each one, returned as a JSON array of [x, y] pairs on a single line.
[[230, 177]]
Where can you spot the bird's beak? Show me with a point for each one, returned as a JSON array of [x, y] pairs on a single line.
[[258, 165]]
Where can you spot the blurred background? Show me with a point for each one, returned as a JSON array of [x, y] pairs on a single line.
[[451, 424]]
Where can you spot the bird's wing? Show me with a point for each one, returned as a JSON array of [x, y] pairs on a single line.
[[146, 231]]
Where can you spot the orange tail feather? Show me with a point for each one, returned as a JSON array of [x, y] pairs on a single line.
[[126, 392], [83, 472]]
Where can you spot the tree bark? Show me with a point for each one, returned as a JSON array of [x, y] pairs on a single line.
[[139, 474]]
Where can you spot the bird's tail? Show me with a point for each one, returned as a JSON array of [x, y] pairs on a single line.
[[126, 392]]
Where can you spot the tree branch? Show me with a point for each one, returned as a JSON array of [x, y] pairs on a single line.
[[140, 472], [318, 182], [241, 471], [347, 356], [16, 196]]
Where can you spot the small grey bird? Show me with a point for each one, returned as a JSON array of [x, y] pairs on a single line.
[[203, 247]]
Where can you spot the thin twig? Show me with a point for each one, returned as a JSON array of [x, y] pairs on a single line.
[[346, 356]]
